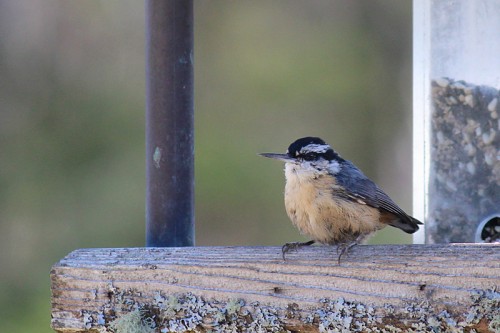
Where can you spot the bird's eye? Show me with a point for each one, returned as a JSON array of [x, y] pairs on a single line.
[[309, 157]]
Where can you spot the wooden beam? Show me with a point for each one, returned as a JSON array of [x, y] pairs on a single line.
[[384, 288]]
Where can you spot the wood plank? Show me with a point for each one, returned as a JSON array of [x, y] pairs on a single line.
[[374, 286]]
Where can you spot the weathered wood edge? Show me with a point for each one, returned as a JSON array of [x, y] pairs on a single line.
[[414, 288]]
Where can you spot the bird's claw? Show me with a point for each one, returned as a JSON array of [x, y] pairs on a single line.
[[344, 249], [293, 246]]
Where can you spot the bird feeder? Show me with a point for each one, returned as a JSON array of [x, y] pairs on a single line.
[[457, 120]]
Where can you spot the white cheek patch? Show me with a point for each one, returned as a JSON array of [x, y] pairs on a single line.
[[302, 172]]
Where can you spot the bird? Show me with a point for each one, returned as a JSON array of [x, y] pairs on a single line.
[[331, 201]]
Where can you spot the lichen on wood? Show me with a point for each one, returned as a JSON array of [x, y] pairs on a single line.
[[191, 313]]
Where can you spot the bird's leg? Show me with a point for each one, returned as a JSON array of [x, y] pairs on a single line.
[[294, 246], [345, 247]]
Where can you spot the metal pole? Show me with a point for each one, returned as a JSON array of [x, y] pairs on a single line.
[[169, 123]]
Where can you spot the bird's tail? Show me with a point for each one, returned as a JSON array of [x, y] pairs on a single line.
[[408, 224]]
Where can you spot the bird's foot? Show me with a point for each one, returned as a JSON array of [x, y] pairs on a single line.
[[294, 246], [344, 249]]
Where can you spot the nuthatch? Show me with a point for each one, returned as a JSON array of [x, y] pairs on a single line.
[[331, 201]]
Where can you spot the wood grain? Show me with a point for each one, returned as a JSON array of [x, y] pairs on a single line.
[[86, 283]]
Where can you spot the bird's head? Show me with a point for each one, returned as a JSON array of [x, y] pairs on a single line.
[[309, 154]]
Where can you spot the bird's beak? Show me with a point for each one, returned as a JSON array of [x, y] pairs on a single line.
[[281, 157]]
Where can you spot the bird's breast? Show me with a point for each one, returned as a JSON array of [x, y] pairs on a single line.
[[316, 207]]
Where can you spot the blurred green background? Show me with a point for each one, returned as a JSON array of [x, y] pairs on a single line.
[[267, 72]]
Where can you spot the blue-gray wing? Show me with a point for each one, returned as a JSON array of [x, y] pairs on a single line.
[[361, 189]]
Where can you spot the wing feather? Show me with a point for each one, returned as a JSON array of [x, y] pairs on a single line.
[[361, 189]]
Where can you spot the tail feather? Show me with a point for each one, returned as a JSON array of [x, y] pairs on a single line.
[[406, 223]]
